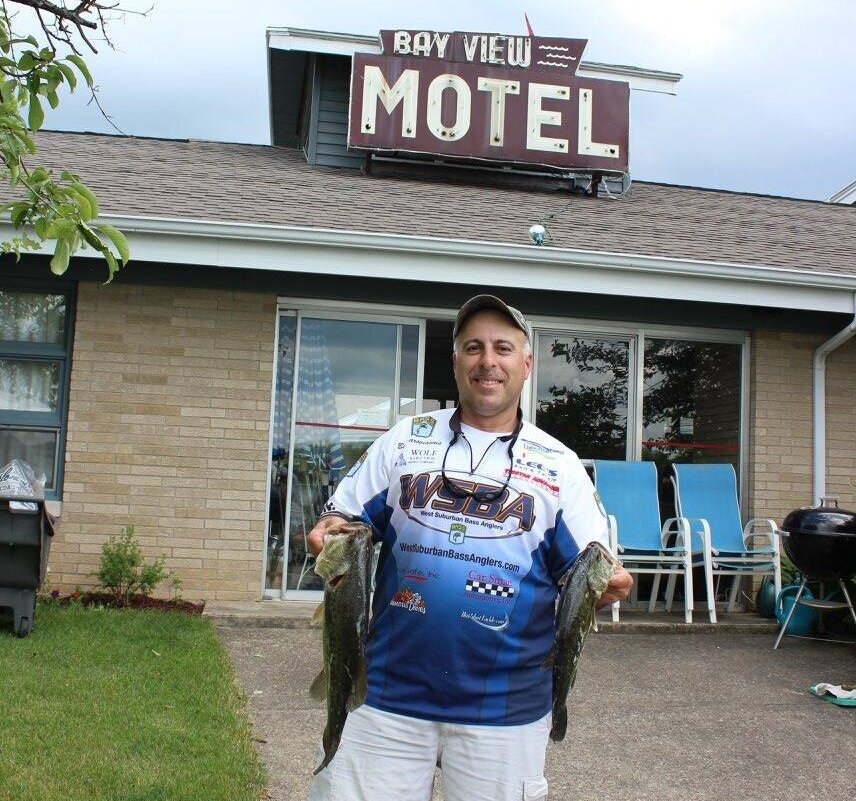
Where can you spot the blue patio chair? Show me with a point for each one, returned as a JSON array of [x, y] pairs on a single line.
[[628, 491], [706, 494]]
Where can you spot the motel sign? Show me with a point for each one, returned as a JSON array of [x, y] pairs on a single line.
[[488, 97]]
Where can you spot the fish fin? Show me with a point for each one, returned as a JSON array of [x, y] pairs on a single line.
[[360, 689], [560, 724], [318, 688], [318, 616]]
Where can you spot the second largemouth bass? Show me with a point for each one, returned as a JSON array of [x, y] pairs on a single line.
[[582, 586]]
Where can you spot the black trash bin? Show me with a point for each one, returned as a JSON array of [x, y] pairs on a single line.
[[25, 541]]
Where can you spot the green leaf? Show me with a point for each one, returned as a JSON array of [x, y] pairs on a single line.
[[53, 99], [36, 116], [84, 190], [68, 73], [27, 61], [118, 240], [81, 66], [18, 212], [112, 267], [91, 238], [59, 262], [84, 207]]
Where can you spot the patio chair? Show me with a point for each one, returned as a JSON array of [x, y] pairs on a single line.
[[706, 494], [628, 491]]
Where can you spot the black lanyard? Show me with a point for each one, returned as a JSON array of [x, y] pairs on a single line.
[[480, 495]]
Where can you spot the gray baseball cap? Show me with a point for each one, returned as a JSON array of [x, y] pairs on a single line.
[[480, 302]]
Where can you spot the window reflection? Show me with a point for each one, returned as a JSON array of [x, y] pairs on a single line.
[[582, 393], [31, 317], [350, 388], [691, 402], [28, 386]]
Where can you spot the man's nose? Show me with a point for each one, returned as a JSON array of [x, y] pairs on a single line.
[[487, 357]]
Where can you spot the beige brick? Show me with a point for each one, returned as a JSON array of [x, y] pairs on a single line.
[[154, 370], [780, 424]]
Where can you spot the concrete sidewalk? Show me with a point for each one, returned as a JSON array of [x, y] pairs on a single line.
[[659, 713]]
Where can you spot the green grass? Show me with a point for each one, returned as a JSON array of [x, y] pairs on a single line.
[[111, 705]]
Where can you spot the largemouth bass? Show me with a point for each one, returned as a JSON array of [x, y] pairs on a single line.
[[575, 617], [345, 565]]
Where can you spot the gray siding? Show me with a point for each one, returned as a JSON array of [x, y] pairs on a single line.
[[331, 125]]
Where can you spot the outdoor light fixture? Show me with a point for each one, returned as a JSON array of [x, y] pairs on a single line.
[[538, 233]]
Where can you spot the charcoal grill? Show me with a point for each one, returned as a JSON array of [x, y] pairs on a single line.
[[821, 543]]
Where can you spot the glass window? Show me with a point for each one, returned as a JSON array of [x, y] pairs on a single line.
[[348, 381], [34, 353], [36, 448], [32, 317], [691, 402], [28, 386], [582, 393]]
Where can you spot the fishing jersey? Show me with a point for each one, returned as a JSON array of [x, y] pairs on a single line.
[[465, 587]]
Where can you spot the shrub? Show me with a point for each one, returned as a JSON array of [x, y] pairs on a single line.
[[122, 572]]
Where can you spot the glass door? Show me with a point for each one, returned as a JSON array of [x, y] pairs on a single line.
[[582, 392], [341, 382]]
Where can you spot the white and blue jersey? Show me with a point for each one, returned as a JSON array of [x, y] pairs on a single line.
[[463, 609]]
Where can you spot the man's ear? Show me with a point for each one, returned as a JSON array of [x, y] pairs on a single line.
[[527, 365]]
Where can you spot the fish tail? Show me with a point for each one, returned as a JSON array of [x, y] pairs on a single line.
[[331, 745], [560, 723]]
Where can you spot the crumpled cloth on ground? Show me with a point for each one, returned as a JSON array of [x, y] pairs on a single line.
[[842, 695]]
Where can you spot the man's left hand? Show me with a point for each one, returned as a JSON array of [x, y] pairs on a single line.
[[618, 588]]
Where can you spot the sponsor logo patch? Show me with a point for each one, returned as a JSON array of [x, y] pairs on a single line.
[[408, 600], [417, 574], [542, 451], [486, 621], [457, 533], [487, 588], [422, 426]]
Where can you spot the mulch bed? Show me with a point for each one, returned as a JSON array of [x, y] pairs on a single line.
[[136, 602]]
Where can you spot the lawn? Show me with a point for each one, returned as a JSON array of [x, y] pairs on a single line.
[[112, 705]]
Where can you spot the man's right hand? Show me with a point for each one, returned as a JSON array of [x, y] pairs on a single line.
[[329, 524]]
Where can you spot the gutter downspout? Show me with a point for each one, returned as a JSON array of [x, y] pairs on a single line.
[[819, 404]]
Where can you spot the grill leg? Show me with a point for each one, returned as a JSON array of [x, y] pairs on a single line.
[[793, 609], [848, 599]]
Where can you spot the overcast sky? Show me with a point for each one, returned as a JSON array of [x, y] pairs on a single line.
[[767, 103]]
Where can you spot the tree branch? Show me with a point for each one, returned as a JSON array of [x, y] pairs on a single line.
[[61, 12]]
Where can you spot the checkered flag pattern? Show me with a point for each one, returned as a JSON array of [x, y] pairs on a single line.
[[485, 588]]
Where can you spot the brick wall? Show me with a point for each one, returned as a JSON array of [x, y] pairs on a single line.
[[780, 427], [841, 424], [168, 431]]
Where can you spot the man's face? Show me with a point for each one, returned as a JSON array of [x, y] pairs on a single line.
[[491, 363]]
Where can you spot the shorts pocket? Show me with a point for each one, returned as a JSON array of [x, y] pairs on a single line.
[[535, 789]]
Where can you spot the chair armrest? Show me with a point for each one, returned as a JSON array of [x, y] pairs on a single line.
[[680, 527], [699, 527], [761, 528], [612, 530]]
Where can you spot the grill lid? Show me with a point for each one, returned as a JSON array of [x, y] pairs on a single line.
[[824, 519]]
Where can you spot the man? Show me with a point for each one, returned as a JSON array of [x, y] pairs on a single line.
[[479, 515]]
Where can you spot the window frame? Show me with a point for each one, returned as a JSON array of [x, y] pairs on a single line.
[[44, 352]]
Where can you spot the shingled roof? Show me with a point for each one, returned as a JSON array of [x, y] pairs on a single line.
[[200, 180]]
